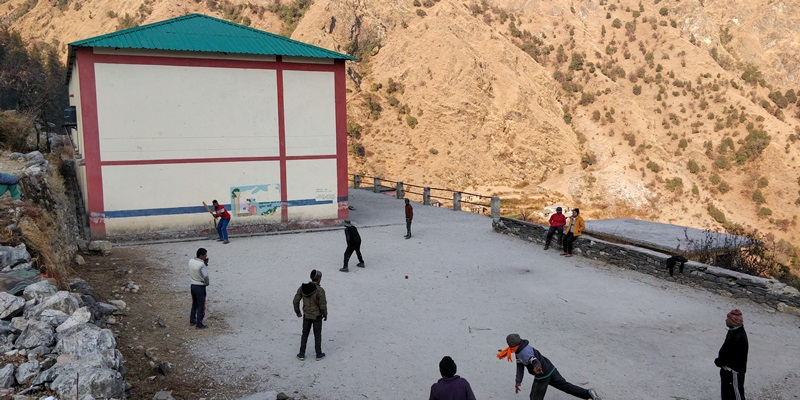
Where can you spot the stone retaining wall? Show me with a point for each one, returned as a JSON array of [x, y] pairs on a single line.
[[770, 292]]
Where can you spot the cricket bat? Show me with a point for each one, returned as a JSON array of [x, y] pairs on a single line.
[[212, 214]]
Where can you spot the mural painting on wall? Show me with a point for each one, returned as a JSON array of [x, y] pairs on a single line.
[[255, 200]]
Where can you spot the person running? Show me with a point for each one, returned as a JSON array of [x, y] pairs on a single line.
[[574, 229], [557, 222], [732, 359], [451, 386], [353, 244], [198, 275], [544, 372], [409, 217], [315, 310], [224, 218]]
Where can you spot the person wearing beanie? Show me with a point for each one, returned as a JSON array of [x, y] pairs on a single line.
[[732, 359], [315, 310], [544, 372], [353, 240], [451, 386]]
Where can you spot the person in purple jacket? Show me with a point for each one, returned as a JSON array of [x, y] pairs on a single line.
[[451, 386], [544, 372]]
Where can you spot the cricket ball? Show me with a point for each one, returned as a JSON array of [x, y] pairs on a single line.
[[406, 276]]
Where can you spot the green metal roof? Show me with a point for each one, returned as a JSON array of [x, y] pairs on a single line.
[[197, 32]]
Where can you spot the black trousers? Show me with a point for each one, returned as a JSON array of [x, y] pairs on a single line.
[[551, 232], [351, 247], [569, 240], [732, 385], [408, 226], [307, 325], [198, 304], [557, 381]]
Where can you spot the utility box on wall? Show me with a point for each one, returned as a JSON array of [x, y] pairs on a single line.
[[177, 112]]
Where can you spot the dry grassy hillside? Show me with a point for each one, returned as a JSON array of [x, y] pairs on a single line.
[[676, 111]]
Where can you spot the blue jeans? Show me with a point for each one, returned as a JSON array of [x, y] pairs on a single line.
[[222, 228]]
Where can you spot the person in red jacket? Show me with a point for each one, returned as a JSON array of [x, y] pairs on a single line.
[[557, 222], [222, 226], [409, 217]]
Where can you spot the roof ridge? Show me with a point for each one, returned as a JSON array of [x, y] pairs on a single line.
[[137, 28]]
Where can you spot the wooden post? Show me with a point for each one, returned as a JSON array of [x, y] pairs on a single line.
[[426, 196], [400, 192], [356, 181], [376, 185]]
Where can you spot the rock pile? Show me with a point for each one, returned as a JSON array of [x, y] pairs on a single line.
[[56, 340]]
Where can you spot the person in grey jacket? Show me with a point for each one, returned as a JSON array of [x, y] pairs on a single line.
[[198, 275], [544, 372]]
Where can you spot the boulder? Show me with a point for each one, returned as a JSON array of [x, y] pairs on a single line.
[[96, 380], [81, 286], [19, 323], [27, 371], [36, 334], [10, 305], [102, 246], [7, 376], [105, 308], [11, 256], [6, 328], [53, 317], [80, 316], [163, 395], [34, 156], [121, 305], [63, 301], [79, 260], [7, 342], [85, 339], [39, 291]]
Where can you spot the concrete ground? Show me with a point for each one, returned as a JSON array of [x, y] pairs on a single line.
[[631, 336]]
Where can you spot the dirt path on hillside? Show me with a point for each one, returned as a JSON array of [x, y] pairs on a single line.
[[155, 323]]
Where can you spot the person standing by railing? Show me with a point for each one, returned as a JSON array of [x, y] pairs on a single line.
[[409, 217]]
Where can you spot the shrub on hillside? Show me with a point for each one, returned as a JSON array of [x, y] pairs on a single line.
[[411, 121], [716, 213], [15, 128], [758, 197], [653, 166], [764, 212], [693, 167]]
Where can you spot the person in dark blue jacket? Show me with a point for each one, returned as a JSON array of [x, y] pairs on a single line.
[[9, 183], [544, 372]]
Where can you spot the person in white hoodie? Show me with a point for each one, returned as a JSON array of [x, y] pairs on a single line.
[[198, 275]]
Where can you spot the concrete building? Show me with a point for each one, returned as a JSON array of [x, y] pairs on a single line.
[[196, 108]]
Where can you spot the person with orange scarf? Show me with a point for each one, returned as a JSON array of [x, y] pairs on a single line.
[[544, 372], [732, 359]]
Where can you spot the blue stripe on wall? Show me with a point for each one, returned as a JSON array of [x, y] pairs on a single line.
[[152, 212]]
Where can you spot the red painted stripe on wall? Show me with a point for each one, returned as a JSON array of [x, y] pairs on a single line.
[[340, 93], [91, 143], [209, 62], [282, 141], [212, 160]]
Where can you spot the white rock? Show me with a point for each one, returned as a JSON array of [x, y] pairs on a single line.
[[80, 316], [10, 305]]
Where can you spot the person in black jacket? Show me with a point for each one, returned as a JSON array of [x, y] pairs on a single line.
[[544, 372], [353, 244], [732, 359]]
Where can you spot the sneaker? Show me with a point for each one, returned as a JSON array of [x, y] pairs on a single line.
[[407, 236], [344, 269], [320, 356], [192, 323], [218, 240], [594, 394], [361, 264], [225, 242], [565, 253], [301, 356], [547, 246], [568, 255], [201, 326]]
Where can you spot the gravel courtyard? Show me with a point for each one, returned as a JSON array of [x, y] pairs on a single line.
[[631, 336]]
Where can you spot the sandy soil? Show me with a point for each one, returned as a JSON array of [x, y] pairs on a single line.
[[629, 335]]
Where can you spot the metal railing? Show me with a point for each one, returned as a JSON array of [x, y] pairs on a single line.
[[481, 204]]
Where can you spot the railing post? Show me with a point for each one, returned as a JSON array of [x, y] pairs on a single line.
[[426, 196], [456, 201], [400, 192], [356, 181], [495, 209], [376, 185]]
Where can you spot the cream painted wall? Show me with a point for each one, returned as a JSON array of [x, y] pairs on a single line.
[[310, 113], [136, 187], [150, 112], [312, 179]]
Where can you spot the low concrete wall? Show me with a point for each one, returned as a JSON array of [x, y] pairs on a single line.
[[770, 292]]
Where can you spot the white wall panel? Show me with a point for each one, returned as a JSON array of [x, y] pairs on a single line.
[[151, 112], [310, 181], [310, 113], [144, 187]]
